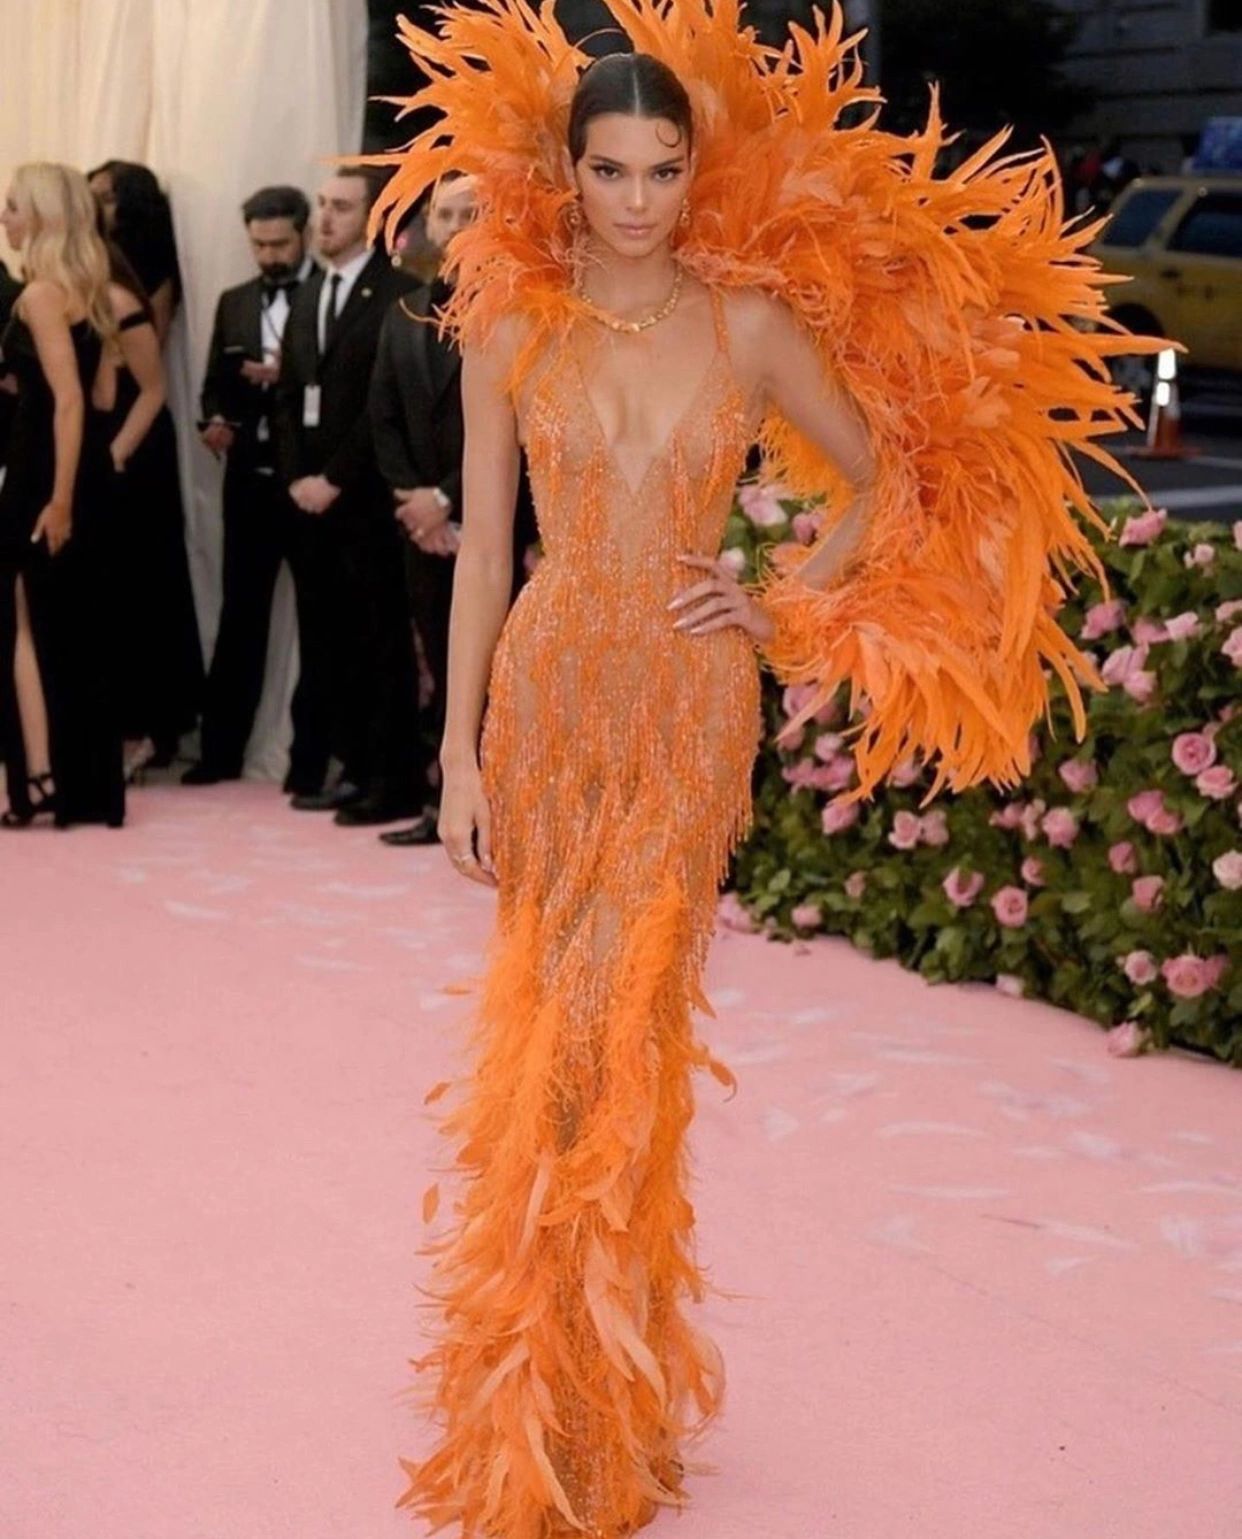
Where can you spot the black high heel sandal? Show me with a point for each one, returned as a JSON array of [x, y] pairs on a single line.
[[40, 802]]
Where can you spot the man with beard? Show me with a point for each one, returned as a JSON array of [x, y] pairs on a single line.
[[259, 526]]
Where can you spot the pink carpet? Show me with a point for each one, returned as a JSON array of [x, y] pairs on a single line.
[[986, 1281]]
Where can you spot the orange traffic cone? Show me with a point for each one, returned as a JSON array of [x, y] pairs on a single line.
[[1164, 424]]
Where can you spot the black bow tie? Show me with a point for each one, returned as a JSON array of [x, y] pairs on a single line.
[[272, 288]]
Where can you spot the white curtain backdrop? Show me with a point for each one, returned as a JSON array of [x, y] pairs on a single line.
[[218, 97]]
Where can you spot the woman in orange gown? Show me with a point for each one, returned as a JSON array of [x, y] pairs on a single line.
[[635, 314]]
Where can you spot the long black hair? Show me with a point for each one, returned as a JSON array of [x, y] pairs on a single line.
[[633, 84], [143, 230]]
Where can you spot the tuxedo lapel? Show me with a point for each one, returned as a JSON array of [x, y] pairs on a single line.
[[363, 293]]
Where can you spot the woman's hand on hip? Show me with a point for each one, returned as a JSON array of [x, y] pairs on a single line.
[[717, 601], [465, 823], [55, 525]]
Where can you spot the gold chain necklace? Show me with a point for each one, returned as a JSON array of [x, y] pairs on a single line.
[[611, 321]]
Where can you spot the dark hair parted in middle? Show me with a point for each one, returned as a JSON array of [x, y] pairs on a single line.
[[634, 84], [277, 203]]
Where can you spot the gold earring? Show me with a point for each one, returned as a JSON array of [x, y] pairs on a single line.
[[575, 215], [683, 219]]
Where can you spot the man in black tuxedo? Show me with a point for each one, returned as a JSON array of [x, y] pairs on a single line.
[[242, 368], [357, 656], [416, 414]]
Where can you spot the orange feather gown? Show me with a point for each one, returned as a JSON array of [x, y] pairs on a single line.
[[965, 317]]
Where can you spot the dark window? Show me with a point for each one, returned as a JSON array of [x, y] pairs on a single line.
[[1225, 15], [1139, 216], [1213, 227]]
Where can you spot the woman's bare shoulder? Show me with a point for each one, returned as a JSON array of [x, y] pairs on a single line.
[[755, 316]]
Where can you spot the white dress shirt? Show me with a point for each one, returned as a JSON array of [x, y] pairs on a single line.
[[349, 276]]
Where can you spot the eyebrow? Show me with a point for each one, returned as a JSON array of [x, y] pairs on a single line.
[[659, 166]]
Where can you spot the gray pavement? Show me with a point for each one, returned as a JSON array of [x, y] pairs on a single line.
[[1207, 484]]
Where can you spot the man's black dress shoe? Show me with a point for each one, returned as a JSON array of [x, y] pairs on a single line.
[[204, 774], [338, 796], [423, 831], [367, 810]]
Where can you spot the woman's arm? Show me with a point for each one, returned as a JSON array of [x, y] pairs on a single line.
[[481, 591], [773, 349], [163, 308], [140, 352], [42, 306], [792, 378]]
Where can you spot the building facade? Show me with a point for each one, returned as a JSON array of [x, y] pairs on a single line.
[[1159, 69]]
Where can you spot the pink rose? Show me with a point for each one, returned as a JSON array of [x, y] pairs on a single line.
[[905, 773], [1121, 857], [1217, 967], [1078, 775], [1032, 813], [1060, 828], [828, 745], [1182, 626], [960, 889], [1101, 619], [1010, 816], [1166, 822], [1201, 555], [837, 817], [1008, 983], [934, 828], [1217, 783], [1187, 976], [800, 775], [1147, 632], [855, 885], [1145, 805], [805, 527], [806, 916], [1140, 968], [1010, 906], [761, 506], [733, 914], [1127, 1040], [1143, 528], [835, 776], [1227, 610], [1147, 892], [1227, 869], [733, 560], [1140, 685], [1033, 871], [1233, 647], [1193, 752], [1121, 662], [904, 834]]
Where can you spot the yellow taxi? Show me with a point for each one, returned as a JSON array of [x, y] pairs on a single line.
[[1179, 240]]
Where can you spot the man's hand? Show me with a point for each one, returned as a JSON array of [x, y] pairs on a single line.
[[266, 373], [419, 511], [314, 494], [217, 436], [443, 540]]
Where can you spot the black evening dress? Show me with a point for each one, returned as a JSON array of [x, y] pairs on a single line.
[[70, 596], [162, 661]]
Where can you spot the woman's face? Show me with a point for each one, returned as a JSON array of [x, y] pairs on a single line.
[[14, 222], [633, 176], [105, 196]]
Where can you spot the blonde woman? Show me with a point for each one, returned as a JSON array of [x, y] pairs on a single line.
[[61, 745]]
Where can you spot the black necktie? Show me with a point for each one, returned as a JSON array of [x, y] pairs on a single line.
[[329, 323]]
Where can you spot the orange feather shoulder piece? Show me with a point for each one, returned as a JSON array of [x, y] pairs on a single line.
[[962, 312]]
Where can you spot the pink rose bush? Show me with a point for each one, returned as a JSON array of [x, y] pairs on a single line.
[[1124, 845]]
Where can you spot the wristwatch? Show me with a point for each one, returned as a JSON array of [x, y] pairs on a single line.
[[443, 499]]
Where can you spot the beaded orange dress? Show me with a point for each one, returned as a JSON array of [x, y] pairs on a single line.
[[966, 320]]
